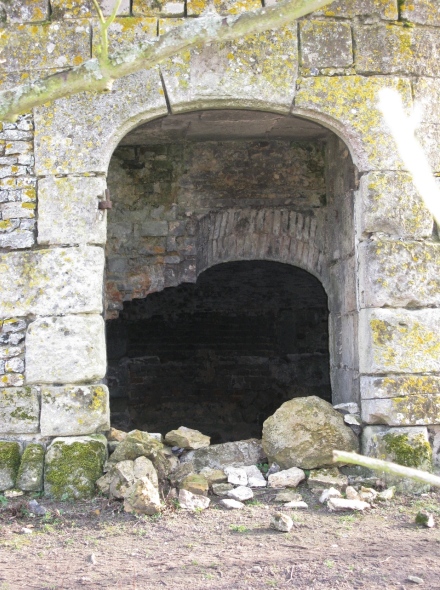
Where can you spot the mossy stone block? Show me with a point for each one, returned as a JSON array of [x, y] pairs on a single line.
[[30, 473], [9, 464], [19, 410], [73, 465]]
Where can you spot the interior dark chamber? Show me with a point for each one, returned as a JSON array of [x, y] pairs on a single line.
[[220, 355]]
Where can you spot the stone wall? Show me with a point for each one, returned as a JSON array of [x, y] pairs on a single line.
[[373, 247]]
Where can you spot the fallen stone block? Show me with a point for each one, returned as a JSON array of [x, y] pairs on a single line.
[[187, 438], [289, 478], [236, 476], [241, 493], [189, 501], [142, 498], [341, 505], [231, 504]]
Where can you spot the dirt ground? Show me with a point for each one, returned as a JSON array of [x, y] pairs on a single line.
[[94, 545]]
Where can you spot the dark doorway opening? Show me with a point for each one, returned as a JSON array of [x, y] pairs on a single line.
[[220, 355]]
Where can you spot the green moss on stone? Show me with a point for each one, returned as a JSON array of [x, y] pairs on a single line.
[[411, 452], [72, 469], [9, 464]]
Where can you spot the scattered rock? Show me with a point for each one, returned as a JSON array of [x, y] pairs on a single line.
[[415, 579], [26, 531], [231, 504], [319, 479], [195, 483], [190, 501], [236, 475], [179, 474], [330, 493], [304, 431], [13, 493], [351, 493], [241, 493], [142, 498], [341, 504], [92, 559], [143, 467], [221, 489], [425, 518], [213, 475], [281, 522], [348, 408], [386, 495], [274, 468], [115, 435], [187, 438], [368, 494], [288, 496], [288, 478], [256, 569], [121, 478], [230, 454], [255, 478], [294, 504], [36, 509]]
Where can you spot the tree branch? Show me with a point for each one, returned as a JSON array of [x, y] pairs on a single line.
[[98, 74], [387, 467]]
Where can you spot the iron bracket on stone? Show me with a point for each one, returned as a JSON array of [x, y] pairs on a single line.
[[105, 203]]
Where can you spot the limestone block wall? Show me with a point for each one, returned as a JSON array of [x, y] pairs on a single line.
[[327, 68]]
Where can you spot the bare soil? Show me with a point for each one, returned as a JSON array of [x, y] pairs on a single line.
[[94, 545]]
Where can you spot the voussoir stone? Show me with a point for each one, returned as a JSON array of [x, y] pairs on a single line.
[[187, 438], [303, 433], [230, 454]]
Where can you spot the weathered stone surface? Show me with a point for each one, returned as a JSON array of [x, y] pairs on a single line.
[[258, 71], [143, 467], [241, 493], [424, 12], [19, 410], [121, 477], [9, 464], [196, 7], [187, 438], [352, 102], [85, 8], [407, 446], [390, 204], [343, 505], [65, 349], [134, 99], [320, 478], [221, 489], [196, 484], [330, 493], [288, 496], [385, 9], [409, 410], [30, 472], [393, 49], [325, 44], [158, 7], [189, 501], [288, 478], [231, 454], [236, 475], [73, 465], [255, 477], [115, 435], [213, 475], [43, 46], [68, 210], [399, 340], [142, 498], [23, 11], [303, 433], [52, 282], [74, 409], [281, 522], [399, 274], [125, 32]]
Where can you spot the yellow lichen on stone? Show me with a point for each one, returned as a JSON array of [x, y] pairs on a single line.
[[124, 32], [196, 7]]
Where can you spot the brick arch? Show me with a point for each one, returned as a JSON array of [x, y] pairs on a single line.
[[272, 234]]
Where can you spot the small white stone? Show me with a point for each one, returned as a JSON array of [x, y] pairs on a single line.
[[351, 493], [236, 475], [288, 478], [190, 501], [231, 504], [255, 477], [294, 504], [241, 493], [330, 493], [281, 522]]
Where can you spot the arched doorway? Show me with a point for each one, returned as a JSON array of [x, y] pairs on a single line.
[[216, 194]]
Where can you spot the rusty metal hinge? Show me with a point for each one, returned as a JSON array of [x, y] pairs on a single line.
[[106, 202]]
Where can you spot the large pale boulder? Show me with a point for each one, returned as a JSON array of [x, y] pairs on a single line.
[[304, 431], [230, 454], [187, 438]]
